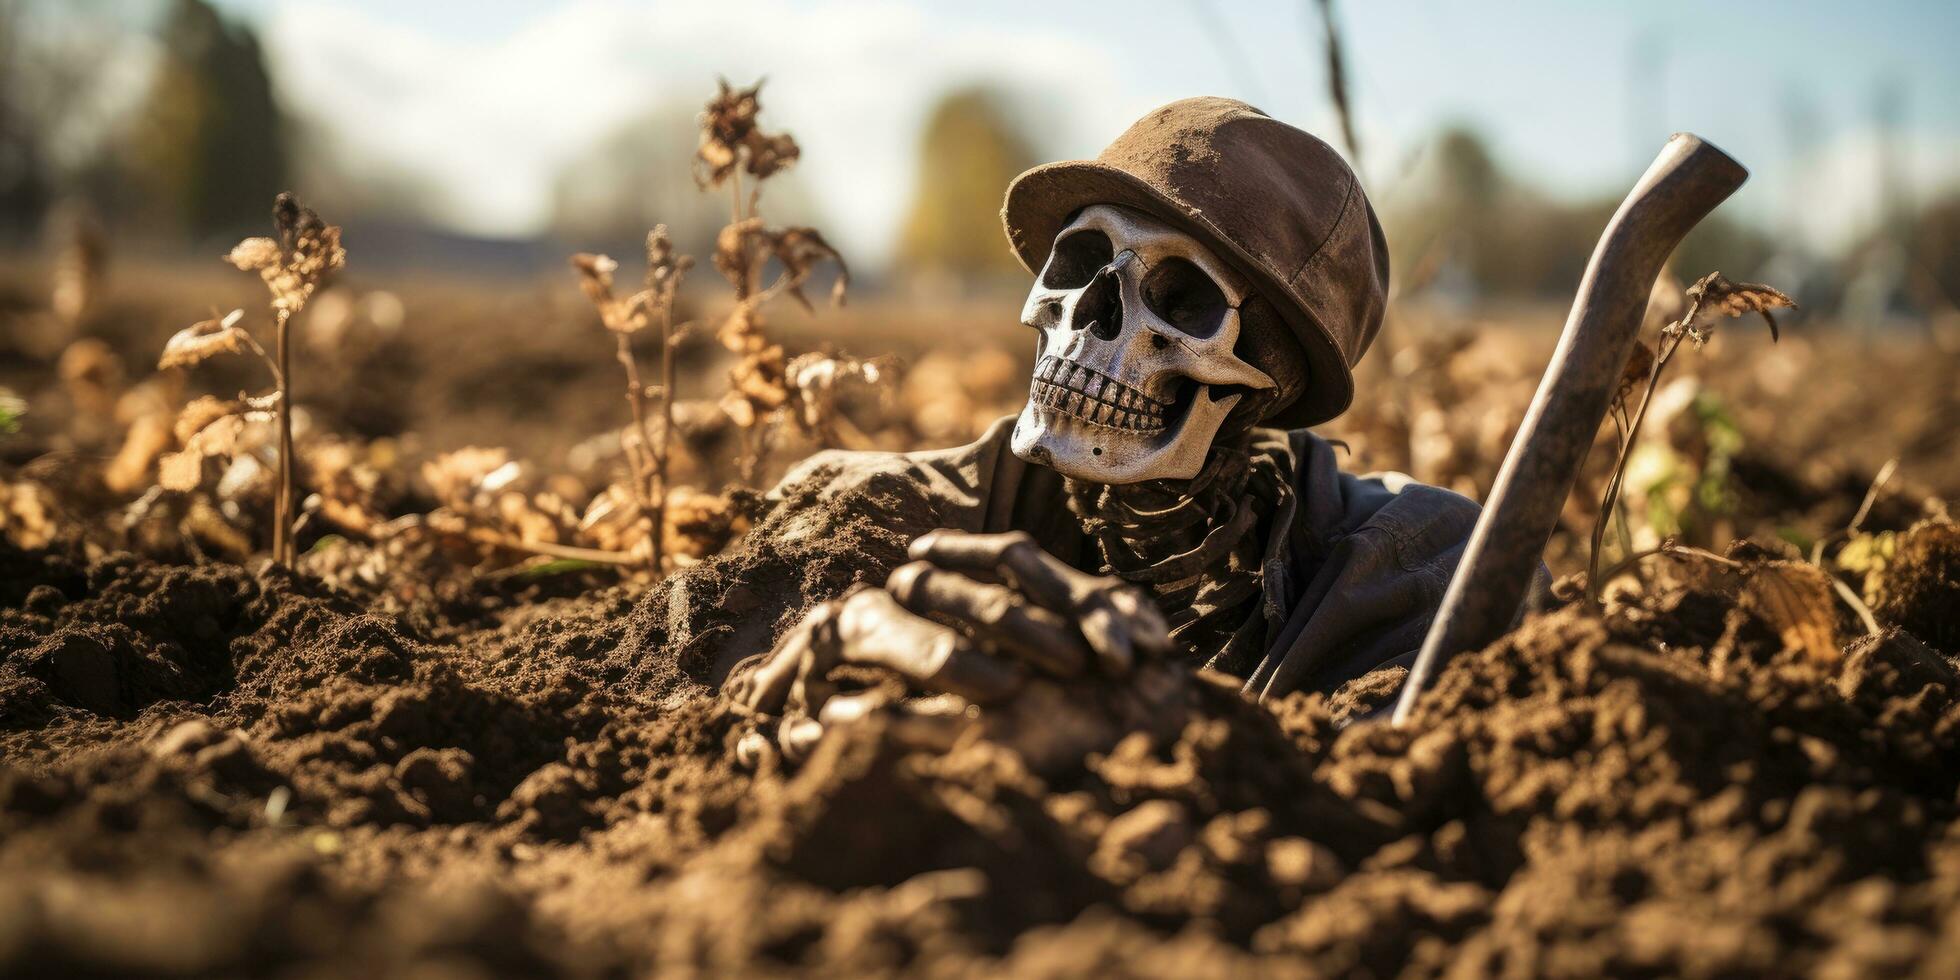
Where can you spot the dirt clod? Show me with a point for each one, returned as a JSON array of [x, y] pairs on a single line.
[[286, 777]]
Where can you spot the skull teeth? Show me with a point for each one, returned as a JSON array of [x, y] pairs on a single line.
[[1096, 398]]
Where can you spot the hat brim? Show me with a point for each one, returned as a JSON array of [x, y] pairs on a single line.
[[1041, 201]]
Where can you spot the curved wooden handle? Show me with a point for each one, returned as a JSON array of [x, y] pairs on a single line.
[[1686, 181]]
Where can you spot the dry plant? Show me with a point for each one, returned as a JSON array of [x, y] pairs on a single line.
[[646, 455], [763, 384], [816, 380], [1711, 294], [482, 501], [731, 146], [293, 266]]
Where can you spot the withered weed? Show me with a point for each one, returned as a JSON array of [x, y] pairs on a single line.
[[294, 265], [1712, 294]]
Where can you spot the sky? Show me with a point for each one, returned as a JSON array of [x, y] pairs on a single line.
[[487, 100]]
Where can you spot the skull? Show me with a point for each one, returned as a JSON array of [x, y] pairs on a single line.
[[1135, 368]]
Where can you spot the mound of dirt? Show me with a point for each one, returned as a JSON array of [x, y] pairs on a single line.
[[208, 771], [1921, 589]]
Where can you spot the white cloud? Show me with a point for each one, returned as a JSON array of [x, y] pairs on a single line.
[[492, 120], [1834, 196]]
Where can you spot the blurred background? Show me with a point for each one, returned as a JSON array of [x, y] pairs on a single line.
[[488, 137], [467, 147]]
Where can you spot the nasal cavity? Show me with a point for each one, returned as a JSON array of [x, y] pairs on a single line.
[[1100, 310]]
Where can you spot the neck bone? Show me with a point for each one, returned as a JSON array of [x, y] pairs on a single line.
[[1197, 545]]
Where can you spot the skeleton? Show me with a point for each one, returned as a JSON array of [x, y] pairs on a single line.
[[1136, 383], [1249, 547], [1204, 288]]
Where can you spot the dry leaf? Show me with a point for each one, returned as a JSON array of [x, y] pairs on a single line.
[[201, 412], [770, 155], [92, 373], [181, 471], [799, 249], [595, 272], [741, 332], [27, 514], [204, 340], [757, 387], [814, 381], [148, 439], [455, 476], [296, 263], [726, 125], [207, 524], [1714, 293], [254, 254], [348, 486], [1795, 599], [220, 437], [700, 524], [533, 520]]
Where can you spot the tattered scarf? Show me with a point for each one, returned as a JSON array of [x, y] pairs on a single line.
[[1197, 546]]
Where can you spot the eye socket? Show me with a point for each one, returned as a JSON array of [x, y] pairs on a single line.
[[1077, 257], [1185, 297]]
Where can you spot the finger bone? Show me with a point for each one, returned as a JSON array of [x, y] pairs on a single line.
[[768, 686], [797, 736], [875, 629], [753, 749], [999, 615], [846, 708]]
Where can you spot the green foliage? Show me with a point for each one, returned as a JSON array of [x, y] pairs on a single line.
[[1685, 483], [1722, 440], [1868, 555], [970, 151], [12, 409]]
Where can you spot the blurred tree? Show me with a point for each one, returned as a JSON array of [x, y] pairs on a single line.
[[23, 172], [1467, 229], [1448, 226], [640, 175], [64, 69], [1468, 179], [208, 146], [1934, 251], [970, 150], [1722, 244], [635, 177]]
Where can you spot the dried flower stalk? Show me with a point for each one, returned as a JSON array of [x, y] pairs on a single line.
[[1711, 293], [625, 316], [732, 144], [663, 283], [293, 265]]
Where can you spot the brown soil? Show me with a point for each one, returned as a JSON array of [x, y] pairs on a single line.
[[208, 770], [212, 772]]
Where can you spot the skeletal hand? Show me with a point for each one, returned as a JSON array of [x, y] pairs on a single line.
[[1017, 608]]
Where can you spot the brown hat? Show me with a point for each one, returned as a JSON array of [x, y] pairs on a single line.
[[1274, 200]]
